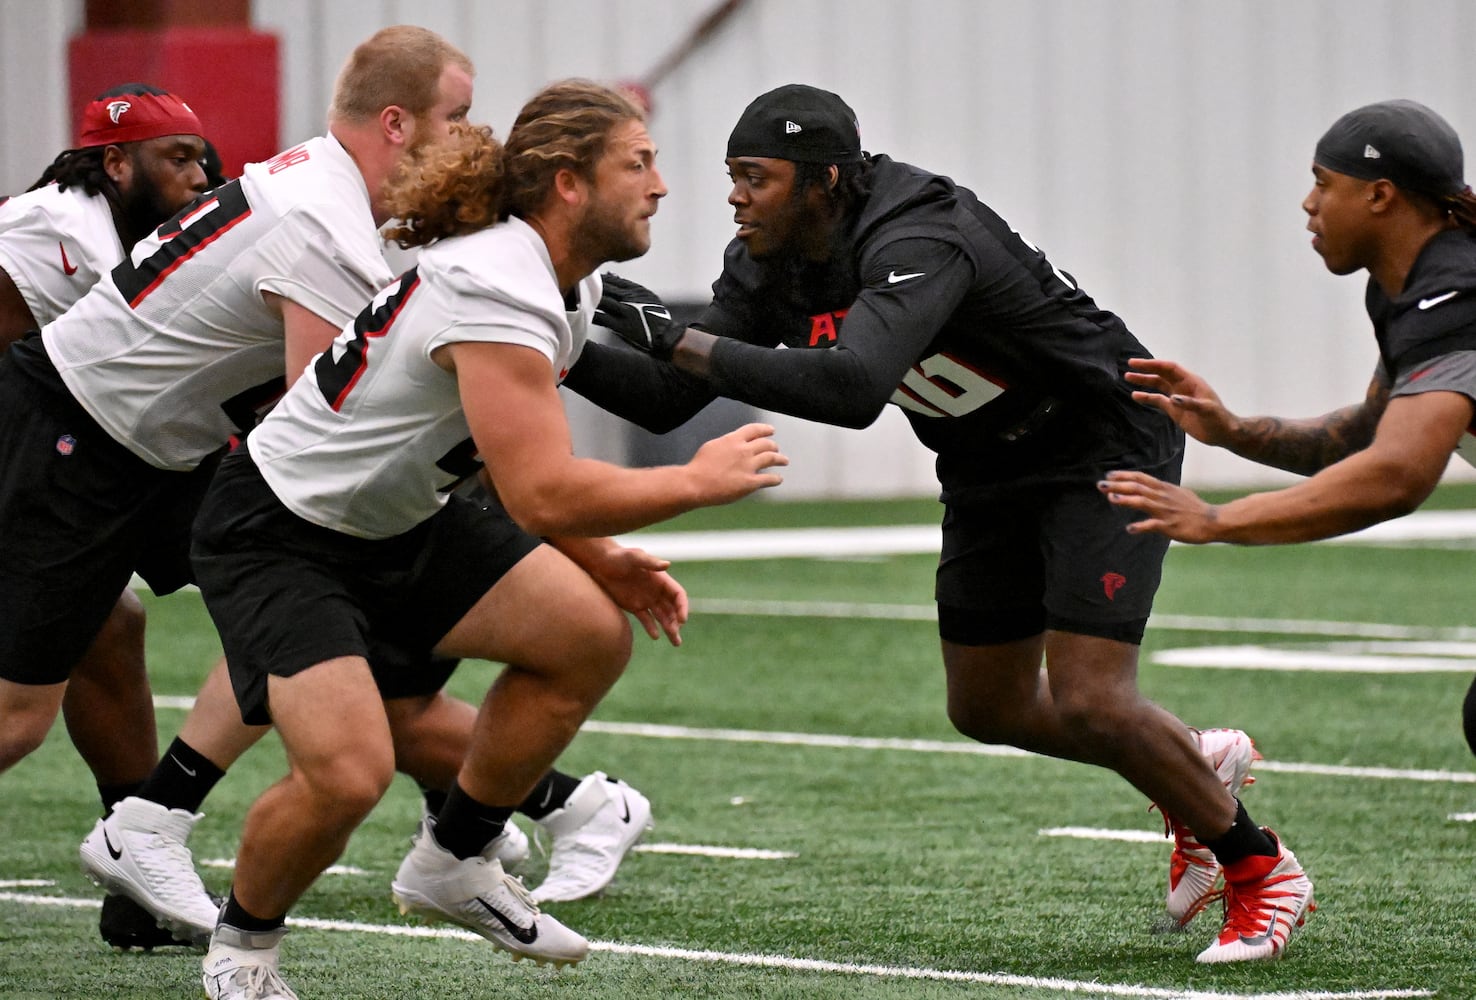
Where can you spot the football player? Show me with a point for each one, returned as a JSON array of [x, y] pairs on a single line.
[[134, 164], [199, 322], [334, 530], [1388, 197], [891, 284]]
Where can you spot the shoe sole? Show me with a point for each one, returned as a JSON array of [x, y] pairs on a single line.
[[131, 926], [114, 883], [414, 903]]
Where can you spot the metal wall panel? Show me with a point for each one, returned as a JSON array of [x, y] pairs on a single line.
[[33, 86], [1156, 149]]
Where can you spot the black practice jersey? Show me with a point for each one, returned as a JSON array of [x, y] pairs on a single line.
[[930, 301], [1427, 333], [1435, 314]]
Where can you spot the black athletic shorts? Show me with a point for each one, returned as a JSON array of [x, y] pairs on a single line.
[[286, 594], [79, 515], [1047, 556]]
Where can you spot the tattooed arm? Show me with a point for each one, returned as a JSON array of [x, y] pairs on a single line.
[[1301, 446]]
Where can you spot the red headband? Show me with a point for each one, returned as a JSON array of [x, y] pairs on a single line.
[[109, 121]]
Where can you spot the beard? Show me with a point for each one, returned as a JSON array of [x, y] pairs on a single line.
[[605, 235], [141, 210]]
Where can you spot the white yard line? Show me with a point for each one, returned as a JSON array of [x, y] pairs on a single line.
[[1085, 988], [1421, 527], [705, 851], [663, 732], [651, 731], [1095, 833]]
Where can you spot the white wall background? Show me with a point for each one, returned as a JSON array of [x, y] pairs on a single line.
[[1156, 149]]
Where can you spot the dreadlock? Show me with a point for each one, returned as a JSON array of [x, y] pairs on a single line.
[[852, 183], [1462, 208], [83, 168]]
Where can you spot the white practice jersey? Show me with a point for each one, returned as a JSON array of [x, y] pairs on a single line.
[[176, 349], [372, 438], [55, 245]]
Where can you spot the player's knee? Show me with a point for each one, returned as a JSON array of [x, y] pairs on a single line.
[[351, 784], [605, 642], [21, 732], [128, 619], [979, 722]]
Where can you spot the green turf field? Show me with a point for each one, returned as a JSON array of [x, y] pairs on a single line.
[[909, 868]]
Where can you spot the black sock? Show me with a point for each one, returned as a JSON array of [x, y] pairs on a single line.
[[465, 826], [549, 795], [238, 918], [1242, 840], [181, 779], [435, 798], [113, 794], [1468, 717]]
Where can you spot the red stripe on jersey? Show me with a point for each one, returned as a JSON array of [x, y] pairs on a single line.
[[174, 264], [404, 296], [918, 399]]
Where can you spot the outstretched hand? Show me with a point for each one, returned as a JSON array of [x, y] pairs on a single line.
[[638, 583], [1171, 510], [731, 467], [638, 316], [1186, 398]]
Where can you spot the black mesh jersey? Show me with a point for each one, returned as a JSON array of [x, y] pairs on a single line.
[[1435, 314], [1005, 367]]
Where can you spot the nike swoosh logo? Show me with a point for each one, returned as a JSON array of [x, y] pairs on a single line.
[[1435, 300], [68, 268], [186, 770], [116, 852], [625, 804], [894, 277], [1268, 936], [526, 935]]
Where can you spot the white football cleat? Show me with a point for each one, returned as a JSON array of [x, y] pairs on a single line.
[[1265, 900], [1193, 869], [139, 851], [510, 847], [477, 894], [592, 833], [241, 965]]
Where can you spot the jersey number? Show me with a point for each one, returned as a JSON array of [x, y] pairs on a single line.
[[944, 386], [210, 217]]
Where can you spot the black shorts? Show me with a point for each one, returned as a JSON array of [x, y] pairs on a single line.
[[286, 594], [79, 515], [1047, 557]]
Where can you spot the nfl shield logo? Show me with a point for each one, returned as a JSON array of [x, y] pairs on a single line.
[[66, 444]]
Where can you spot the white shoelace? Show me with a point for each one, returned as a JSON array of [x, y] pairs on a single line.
[[261, 981]]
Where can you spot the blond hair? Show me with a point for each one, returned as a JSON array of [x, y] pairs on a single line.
[[564, 127], [447, 188], [399, 65]]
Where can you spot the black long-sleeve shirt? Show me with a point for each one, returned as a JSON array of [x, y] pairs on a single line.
[[1004, 366]]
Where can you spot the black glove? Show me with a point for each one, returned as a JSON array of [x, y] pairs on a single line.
[[638, 316]]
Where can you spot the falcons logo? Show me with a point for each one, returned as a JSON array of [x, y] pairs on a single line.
[[116, 109]]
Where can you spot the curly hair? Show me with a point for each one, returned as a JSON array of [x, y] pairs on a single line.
[[564, 127], [447, 188]]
